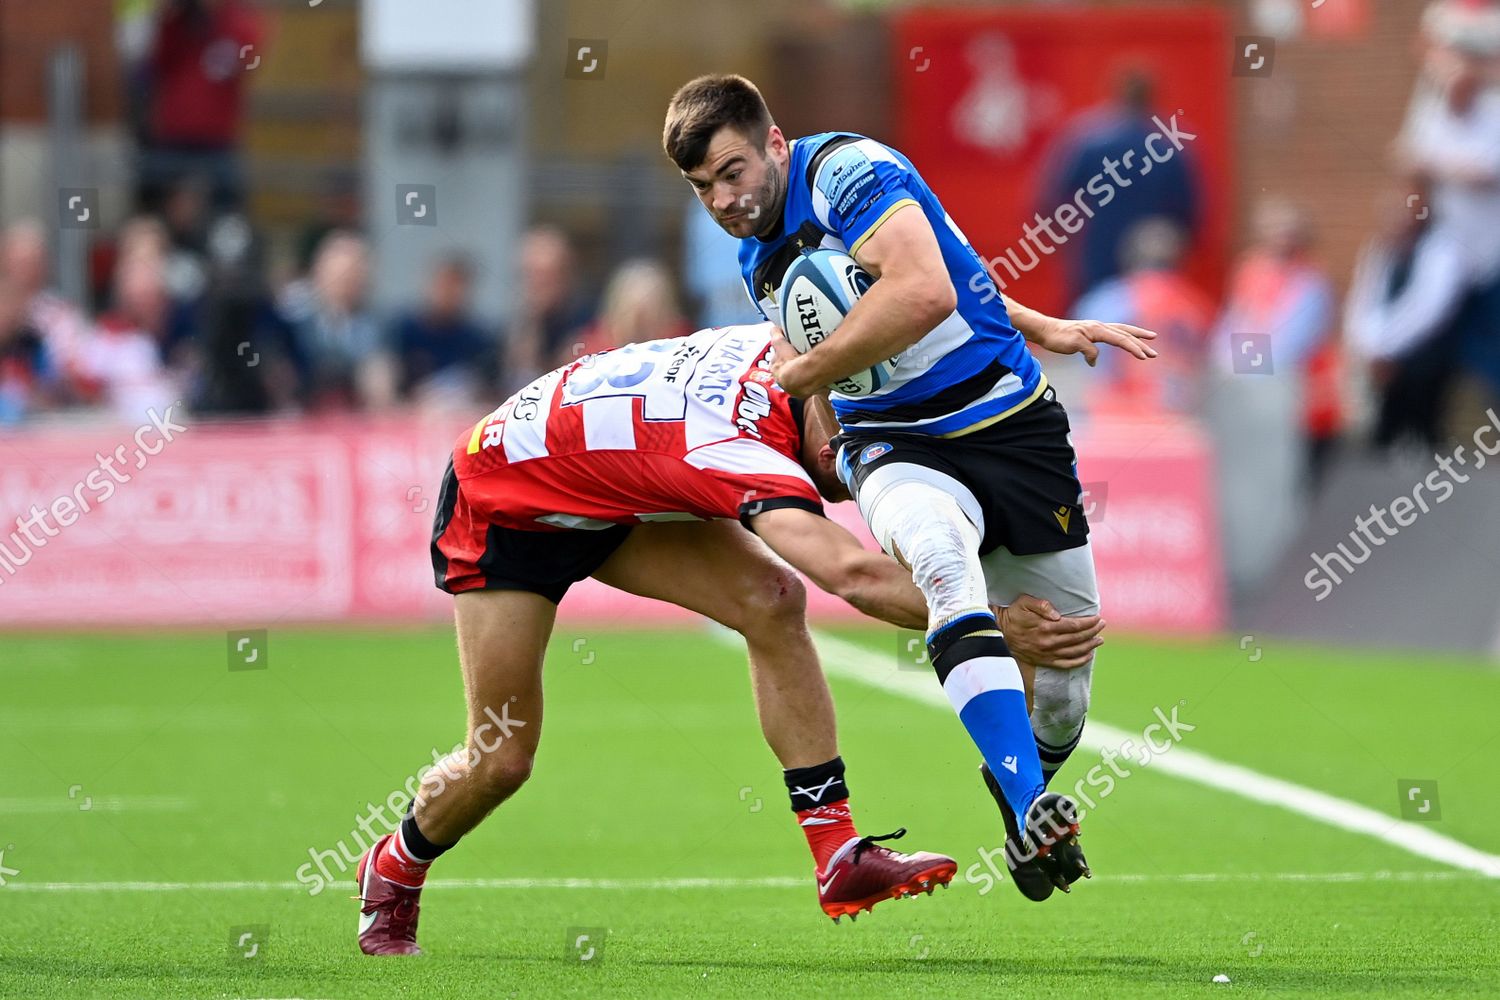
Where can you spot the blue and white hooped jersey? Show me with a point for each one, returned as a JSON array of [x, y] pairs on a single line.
[[973, 368]]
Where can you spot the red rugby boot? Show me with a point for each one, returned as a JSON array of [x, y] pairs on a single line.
[[388, 916], [867, 874]]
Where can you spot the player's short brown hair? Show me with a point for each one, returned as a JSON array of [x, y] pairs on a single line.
[[703, 106]]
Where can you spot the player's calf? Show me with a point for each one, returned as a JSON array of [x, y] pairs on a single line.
[[931, 532]]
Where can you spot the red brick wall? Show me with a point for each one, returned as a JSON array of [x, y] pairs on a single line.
[[31, 30]]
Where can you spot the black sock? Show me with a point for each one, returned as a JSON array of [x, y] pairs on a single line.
[[1053, 758], [810, 787], [416, 844]]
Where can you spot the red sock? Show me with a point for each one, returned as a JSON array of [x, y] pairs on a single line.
[[394, 864], [827, 828]]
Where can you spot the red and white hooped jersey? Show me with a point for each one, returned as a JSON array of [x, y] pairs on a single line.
[[691, 428]]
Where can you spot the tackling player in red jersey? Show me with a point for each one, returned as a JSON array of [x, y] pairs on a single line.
[[631, 466]]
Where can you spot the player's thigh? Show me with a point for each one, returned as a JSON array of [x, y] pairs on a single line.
[[908, 492], [1066, 578], [933, 529], [716, 568], [502, 640]]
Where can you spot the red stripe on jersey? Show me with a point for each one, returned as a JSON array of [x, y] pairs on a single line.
[[564, 423], [668, 437]]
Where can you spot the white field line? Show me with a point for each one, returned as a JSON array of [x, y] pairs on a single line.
[[91, 803], [854, 662], [677, 884]]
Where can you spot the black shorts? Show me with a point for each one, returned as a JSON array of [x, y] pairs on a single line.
[[468, 553], [1021, 471]]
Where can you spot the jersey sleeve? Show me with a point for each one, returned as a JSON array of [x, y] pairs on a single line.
[[857, 186], [750, 477]]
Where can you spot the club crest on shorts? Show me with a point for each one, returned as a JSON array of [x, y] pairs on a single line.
[[872, 452]]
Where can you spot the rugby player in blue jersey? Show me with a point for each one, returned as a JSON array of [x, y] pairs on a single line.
[[961, 463]]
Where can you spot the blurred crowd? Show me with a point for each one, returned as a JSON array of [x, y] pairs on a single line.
[[1421, 319], [183, 304], [182, 309]]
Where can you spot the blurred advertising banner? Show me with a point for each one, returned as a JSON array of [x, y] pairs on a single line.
[[1154, 524], [251, 525], [1035, 128]]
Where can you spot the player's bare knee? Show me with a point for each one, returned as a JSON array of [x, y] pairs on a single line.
[[499, 775], [767, 598]]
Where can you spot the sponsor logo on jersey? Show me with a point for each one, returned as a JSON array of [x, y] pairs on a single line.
[[873, 452], [847, 176], [755, 403]]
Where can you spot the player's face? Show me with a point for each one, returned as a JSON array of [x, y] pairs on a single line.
[[740, 183]]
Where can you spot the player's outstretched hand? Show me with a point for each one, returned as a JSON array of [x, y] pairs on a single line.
[[1078, 336], [1037, 634]]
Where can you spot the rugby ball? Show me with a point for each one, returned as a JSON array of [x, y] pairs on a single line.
[[817, 292]]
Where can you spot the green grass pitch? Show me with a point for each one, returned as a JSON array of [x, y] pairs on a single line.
[[206, 788]]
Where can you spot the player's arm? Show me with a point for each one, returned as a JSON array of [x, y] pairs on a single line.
[[914, 294], [1075, 336], [828, 555], [877, 585]]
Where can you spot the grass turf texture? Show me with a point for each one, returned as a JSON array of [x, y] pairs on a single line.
[[652, 766]]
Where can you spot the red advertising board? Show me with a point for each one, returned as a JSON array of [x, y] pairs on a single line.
[[254, 525], [985, 99]]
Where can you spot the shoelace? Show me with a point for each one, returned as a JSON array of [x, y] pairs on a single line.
[[403, 916], [865, 842]]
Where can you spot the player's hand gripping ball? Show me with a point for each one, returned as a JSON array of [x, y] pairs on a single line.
[[817, 293]]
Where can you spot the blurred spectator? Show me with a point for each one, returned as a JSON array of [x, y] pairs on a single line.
[[711, 272], [64, 329], [441, 350], [122, 362], [1450, 144], [1107, 133], [1274, 408], [1278, 290], [27, 376], [1152, 293], [241, 348], [198, 60], [639, 304], [1408, 285], [553, 313], [185, 213], [336, 342]]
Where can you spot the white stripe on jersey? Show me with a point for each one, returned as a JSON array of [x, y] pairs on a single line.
[[712, 390], [609, 423], [575, 522], [525, 435], [1007, 385], [744, 455], [918, 359]]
